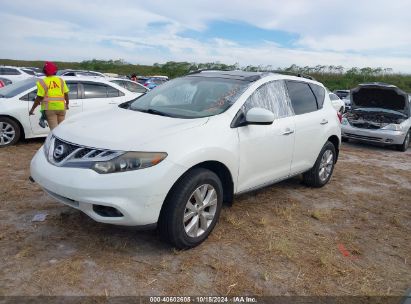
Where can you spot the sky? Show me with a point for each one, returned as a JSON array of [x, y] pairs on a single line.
[[275, 33]]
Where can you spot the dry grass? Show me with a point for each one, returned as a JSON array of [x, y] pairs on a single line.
[[285, 239]]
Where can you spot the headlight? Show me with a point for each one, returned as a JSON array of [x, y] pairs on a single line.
[[393, 127], [47, 143], [129, 161]]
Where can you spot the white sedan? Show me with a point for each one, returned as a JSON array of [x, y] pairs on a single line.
[[86, 94]]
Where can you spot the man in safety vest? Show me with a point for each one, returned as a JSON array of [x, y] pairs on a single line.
[[52, 94]]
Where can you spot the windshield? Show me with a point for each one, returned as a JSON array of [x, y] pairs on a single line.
[[191, 97], [17, 88]]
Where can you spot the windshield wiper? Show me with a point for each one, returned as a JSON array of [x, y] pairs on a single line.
[[155, 112]]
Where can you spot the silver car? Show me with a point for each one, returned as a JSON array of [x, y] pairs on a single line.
[[379, 113]]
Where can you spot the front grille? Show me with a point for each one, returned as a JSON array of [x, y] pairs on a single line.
[[355, 136], [63, 153]]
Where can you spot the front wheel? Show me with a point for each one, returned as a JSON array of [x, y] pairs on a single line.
[[9, 132], [405, 144], [192, 208], [323, 168]]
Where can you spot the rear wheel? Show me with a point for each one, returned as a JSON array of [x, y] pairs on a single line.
[[9, 132], [191, 209], [323, 168], [405, 144]]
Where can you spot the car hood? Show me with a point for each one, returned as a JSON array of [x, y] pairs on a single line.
[[121, 129], [382, 96]]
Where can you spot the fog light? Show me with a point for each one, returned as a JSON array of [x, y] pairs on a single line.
[[107, 211]]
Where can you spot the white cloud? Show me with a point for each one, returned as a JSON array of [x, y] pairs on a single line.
[[349, 33]]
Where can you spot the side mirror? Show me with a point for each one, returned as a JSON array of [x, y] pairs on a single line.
[[259, 116]]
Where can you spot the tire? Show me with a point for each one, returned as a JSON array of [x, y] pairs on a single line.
[[10, 132], [345, 139], [406, 142], [183, 202], [316, 176]]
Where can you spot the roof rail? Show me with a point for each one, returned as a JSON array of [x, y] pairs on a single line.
[[295, 74]]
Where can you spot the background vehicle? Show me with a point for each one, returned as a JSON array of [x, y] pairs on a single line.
[[342, 93], [200, 139], [86, 94], [132, 86], [80, 73], [337, 103], [4, 82], [14, 74], [153, 82], [380, 113]]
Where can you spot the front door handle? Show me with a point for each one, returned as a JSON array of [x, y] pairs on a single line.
[[324, 122], [288, 131]]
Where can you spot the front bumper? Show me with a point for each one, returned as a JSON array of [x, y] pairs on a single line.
[[369, 135], [138, 195]]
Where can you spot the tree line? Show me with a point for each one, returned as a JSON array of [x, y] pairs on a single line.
[[332, 76]]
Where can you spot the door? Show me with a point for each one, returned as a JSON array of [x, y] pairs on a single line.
[[310, 120], [99, 95], [75, 107], [266, 150]]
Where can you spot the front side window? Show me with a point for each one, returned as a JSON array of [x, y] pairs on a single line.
[[271, 96], [302, 98], [191, 97], [30, 72], [73, 90]]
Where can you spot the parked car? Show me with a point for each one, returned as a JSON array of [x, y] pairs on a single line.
[[342, 93], [4, 82], [171, 157], [380, 113], [347, 103], [132, 86], [337, 103], [86, 94], [80, 73], [153, 82], [33, 71], [14, 74]]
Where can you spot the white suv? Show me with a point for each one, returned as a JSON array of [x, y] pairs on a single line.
[[174, 155], [86, 94]]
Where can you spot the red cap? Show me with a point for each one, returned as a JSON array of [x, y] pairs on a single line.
[[50, 68]]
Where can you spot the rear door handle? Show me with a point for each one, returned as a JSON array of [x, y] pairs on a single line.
[[288, 131], [324, 122]]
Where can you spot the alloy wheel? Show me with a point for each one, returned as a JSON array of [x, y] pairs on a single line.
[[200, 210], [326, 165], [7, 133]]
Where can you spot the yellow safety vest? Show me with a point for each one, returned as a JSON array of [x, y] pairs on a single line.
[[53, 93]]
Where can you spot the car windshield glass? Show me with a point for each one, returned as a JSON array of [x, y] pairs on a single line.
[[191, 97], [17, 88]]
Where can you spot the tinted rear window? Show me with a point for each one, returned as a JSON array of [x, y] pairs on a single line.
[[302, 98]]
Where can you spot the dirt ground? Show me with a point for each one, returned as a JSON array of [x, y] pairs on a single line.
[[352, 237]]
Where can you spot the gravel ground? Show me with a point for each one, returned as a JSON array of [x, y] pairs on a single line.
[[352, 237]]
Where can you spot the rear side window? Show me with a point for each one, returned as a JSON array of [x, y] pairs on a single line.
[[271, 96], [319, 93], [113, 92], [302, 98], [94, 90], [9, 71], [73, 90], [131, 86]]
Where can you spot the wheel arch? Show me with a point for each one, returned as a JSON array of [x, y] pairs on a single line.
[[336, 142]]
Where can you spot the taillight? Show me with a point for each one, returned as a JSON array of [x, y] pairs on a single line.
[[2, 84], [146, 84], [339, 115]]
